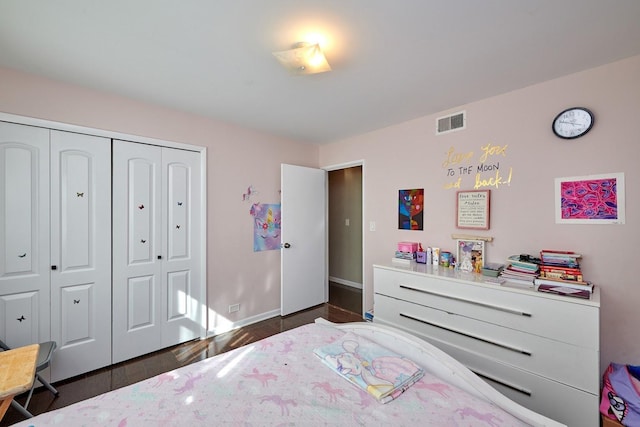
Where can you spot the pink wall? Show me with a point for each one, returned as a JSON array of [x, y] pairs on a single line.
[[522, 212], [522, 215], [237, 158]]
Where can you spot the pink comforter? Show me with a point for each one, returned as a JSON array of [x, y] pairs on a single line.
[[275, 381]]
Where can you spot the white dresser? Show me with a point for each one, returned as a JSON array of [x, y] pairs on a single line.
[[539, 349]]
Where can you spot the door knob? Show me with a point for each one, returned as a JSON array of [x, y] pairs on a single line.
[[287, 246]]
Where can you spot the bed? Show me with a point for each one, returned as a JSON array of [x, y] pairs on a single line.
[[280, 381]]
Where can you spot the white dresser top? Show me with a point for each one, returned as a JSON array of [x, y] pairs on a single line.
[[475, 279]]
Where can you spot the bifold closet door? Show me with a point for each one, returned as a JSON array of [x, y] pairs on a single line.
[[24, 234], [157, 287], [183, 303], [80, 253], [55, 245]]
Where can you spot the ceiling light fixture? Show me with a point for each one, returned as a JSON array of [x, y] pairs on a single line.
[[304, 58]]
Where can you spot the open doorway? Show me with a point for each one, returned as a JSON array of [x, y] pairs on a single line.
[[345, 238]]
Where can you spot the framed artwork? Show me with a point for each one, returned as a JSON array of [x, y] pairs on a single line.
[[411, 209], [592, 199], [470, 255], [473, 209]]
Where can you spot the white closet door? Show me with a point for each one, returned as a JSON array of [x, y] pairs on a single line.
[[80, 253], [183, 307], [137, 242], [158, 297], [24, 234]]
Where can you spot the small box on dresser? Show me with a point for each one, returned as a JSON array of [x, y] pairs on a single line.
[[540, 350]]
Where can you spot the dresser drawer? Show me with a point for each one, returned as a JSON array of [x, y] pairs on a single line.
[[527, 311], [553, 399], [539, 394], [562, 362]]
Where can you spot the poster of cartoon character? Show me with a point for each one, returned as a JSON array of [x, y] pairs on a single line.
[[266, 229]]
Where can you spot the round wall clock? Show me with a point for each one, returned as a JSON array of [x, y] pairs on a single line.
[[572, 123]]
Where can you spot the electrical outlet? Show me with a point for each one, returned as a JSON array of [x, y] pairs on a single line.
[[234, 307]]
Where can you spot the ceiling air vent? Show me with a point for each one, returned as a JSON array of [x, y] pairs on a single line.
[[453, 122]]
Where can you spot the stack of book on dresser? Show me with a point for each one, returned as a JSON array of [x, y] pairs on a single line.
[[521, 270], [560, 274]]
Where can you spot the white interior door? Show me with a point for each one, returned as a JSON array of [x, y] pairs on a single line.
[[24, 234], [182, 297], [137, 243], [304, 237], [80, 253]]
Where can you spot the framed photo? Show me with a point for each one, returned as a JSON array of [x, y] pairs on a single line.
[[592, 199], [470, 255], [472, 209]]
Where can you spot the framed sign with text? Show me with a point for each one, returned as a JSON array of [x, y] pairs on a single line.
[[472, 209]]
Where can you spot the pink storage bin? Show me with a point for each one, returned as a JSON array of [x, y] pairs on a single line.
[[408, 247]]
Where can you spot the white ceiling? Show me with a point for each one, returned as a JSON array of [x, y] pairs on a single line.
[[392, 60]]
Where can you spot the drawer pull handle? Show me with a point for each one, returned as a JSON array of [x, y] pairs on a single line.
[[502, 383], [494, 307], [514, 349]]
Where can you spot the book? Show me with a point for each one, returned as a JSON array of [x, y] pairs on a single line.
[[515, 267], [560, 258], [565, 291], [568, 270], [566, 254], [552, 272], [584, 286], [524, 261], [510, 271]]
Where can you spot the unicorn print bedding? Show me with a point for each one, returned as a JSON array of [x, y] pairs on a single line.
[[281, 381]]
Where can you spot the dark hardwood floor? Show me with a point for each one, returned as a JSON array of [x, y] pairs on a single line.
[[346, 297], [132, 371]]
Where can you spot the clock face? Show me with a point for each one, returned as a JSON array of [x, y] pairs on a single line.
[[572, 123]]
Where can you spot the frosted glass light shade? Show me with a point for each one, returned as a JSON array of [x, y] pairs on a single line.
[[303, 59]]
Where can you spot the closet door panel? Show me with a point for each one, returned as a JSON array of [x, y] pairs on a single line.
[[76, 302], [179, 206], [182, 285], [141, 302], [137, 254], [20, 318], [142, 211], [179, 288], [81, 252], [24, 234]]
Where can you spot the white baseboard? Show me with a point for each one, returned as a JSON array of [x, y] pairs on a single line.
[[241, 323], [345, 282]]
